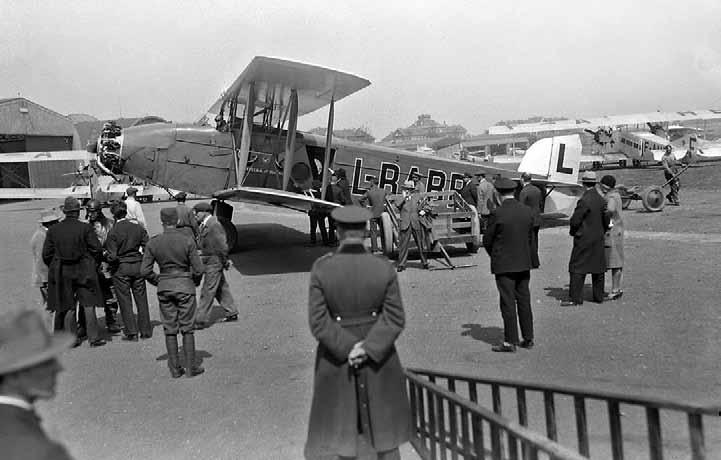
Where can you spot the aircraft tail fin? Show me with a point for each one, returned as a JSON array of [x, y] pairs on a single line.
[[555, 158]]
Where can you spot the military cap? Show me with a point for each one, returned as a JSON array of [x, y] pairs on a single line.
[[169, 216], [131, 191], [181, 196], [203, 206], [589, 177], [71, 204], [503, 184], [351, 215]]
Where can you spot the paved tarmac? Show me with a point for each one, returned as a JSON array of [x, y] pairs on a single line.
[[660, 339]]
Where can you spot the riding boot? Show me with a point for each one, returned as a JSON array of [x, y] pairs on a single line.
[[191, 369], [171, 344]]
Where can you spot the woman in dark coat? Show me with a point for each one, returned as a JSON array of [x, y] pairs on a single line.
[[356, 314]]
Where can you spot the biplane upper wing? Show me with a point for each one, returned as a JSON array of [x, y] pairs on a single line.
[[274, 79], [273, 197]]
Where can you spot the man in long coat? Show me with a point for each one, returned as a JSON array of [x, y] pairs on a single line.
[[508, 241], [375, 198], [531, 196], [71, 251], [469, 191], [588, 226], [360, 405], [410, 225]]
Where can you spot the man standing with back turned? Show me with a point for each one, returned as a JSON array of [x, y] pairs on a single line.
[[588, 226], [508, 241], [360, 406], [531, 196]]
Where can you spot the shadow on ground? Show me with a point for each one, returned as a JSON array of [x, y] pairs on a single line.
[[561, 293], [491, 335]]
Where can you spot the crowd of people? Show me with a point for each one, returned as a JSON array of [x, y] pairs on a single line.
[[359, 406]]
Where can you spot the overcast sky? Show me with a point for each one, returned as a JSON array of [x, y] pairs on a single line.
[[470, 63]]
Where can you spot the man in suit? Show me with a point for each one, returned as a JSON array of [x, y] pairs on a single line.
[[531, 196], [588, 226], [360, 404], [375, 198], [102, 225], [508, 242], [415, 177], [469, 191], [186, 219], [409, 225], [28, 372], [71, 251], [214, 255], [180, 272], [124, 244], [487, 200]]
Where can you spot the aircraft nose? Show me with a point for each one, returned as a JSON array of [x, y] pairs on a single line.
[[137, 139]]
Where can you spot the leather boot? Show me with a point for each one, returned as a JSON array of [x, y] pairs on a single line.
[[171, 344], [191, 369]]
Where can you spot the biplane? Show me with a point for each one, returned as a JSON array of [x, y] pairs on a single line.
[[253, 151]]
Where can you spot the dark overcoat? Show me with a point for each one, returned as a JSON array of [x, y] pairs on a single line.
[[531, 196], [22, 437], [71, 252], [589, 223], [469, 192], [354, 296], [508, 239]]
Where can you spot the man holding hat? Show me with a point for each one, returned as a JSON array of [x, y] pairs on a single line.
[[419, 186], [71, 251], [180, 271], [360, 405], [410, 225], [214, 255], [186, 219], [48, 218], [508, 241], [135, 211], [588, 226], [28, 372]]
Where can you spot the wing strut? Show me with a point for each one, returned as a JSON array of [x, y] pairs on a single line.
[[326, 158], [245, 137], [290, 140]]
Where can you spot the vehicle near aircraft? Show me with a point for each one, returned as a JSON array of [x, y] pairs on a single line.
[[256, 154]]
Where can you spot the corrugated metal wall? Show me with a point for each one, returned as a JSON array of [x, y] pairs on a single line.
[[50, 173]]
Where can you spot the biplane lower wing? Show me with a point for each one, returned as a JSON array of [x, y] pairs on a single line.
[[80, 192], [31, 157], [272, 197]]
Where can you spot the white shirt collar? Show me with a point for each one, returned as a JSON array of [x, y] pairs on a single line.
[[17, 402]]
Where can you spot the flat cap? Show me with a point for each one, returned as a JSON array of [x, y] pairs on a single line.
[[504, 184], [131, 190], [589, 177], [526, 176], [169, 216], [71, 204], [351, 215], [203, 206], [181, 196]]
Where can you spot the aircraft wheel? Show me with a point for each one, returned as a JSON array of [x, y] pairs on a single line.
[[625, 196], [231, 233], [387, 234], [653, 199]]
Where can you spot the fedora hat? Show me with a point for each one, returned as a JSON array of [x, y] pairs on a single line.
[[25, 341], [589, 177], [408, 185], [48, 215]]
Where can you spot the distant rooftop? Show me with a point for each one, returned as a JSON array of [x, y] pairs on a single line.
[[24, 117]]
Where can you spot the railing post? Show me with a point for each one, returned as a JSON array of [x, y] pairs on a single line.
[[695, 427], [496, 446], [550, 408], [479, 444], [441, 418], [414, 408], [465, 435], [581, 425], [614, 418], [430, 402], [655, 444], [453, 420], [522, 416]]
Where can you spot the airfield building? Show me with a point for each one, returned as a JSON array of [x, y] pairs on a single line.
[[424, 132]]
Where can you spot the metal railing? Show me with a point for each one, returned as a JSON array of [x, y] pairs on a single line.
[[559, 421], [445, 425]]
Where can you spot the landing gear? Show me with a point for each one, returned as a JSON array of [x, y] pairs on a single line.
[[387, 240], [224, 212], [653, 199]]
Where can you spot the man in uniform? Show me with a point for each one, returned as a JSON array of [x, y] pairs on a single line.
[[360, 406], [71, 252], [487, 200], [588, 226], [375, 198], [186, 219], [135, 210], [670, 169], [123, 246], [531, 196], [102, 226], [410, 225], [214, 255], [508, 241], [28, 372], [180, 271]]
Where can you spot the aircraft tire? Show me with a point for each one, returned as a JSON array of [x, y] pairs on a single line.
[[653, 199], [231, 233], [387, 239]]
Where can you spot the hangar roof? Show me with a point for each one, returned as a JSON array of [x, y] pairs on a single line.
[[22, 116]]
